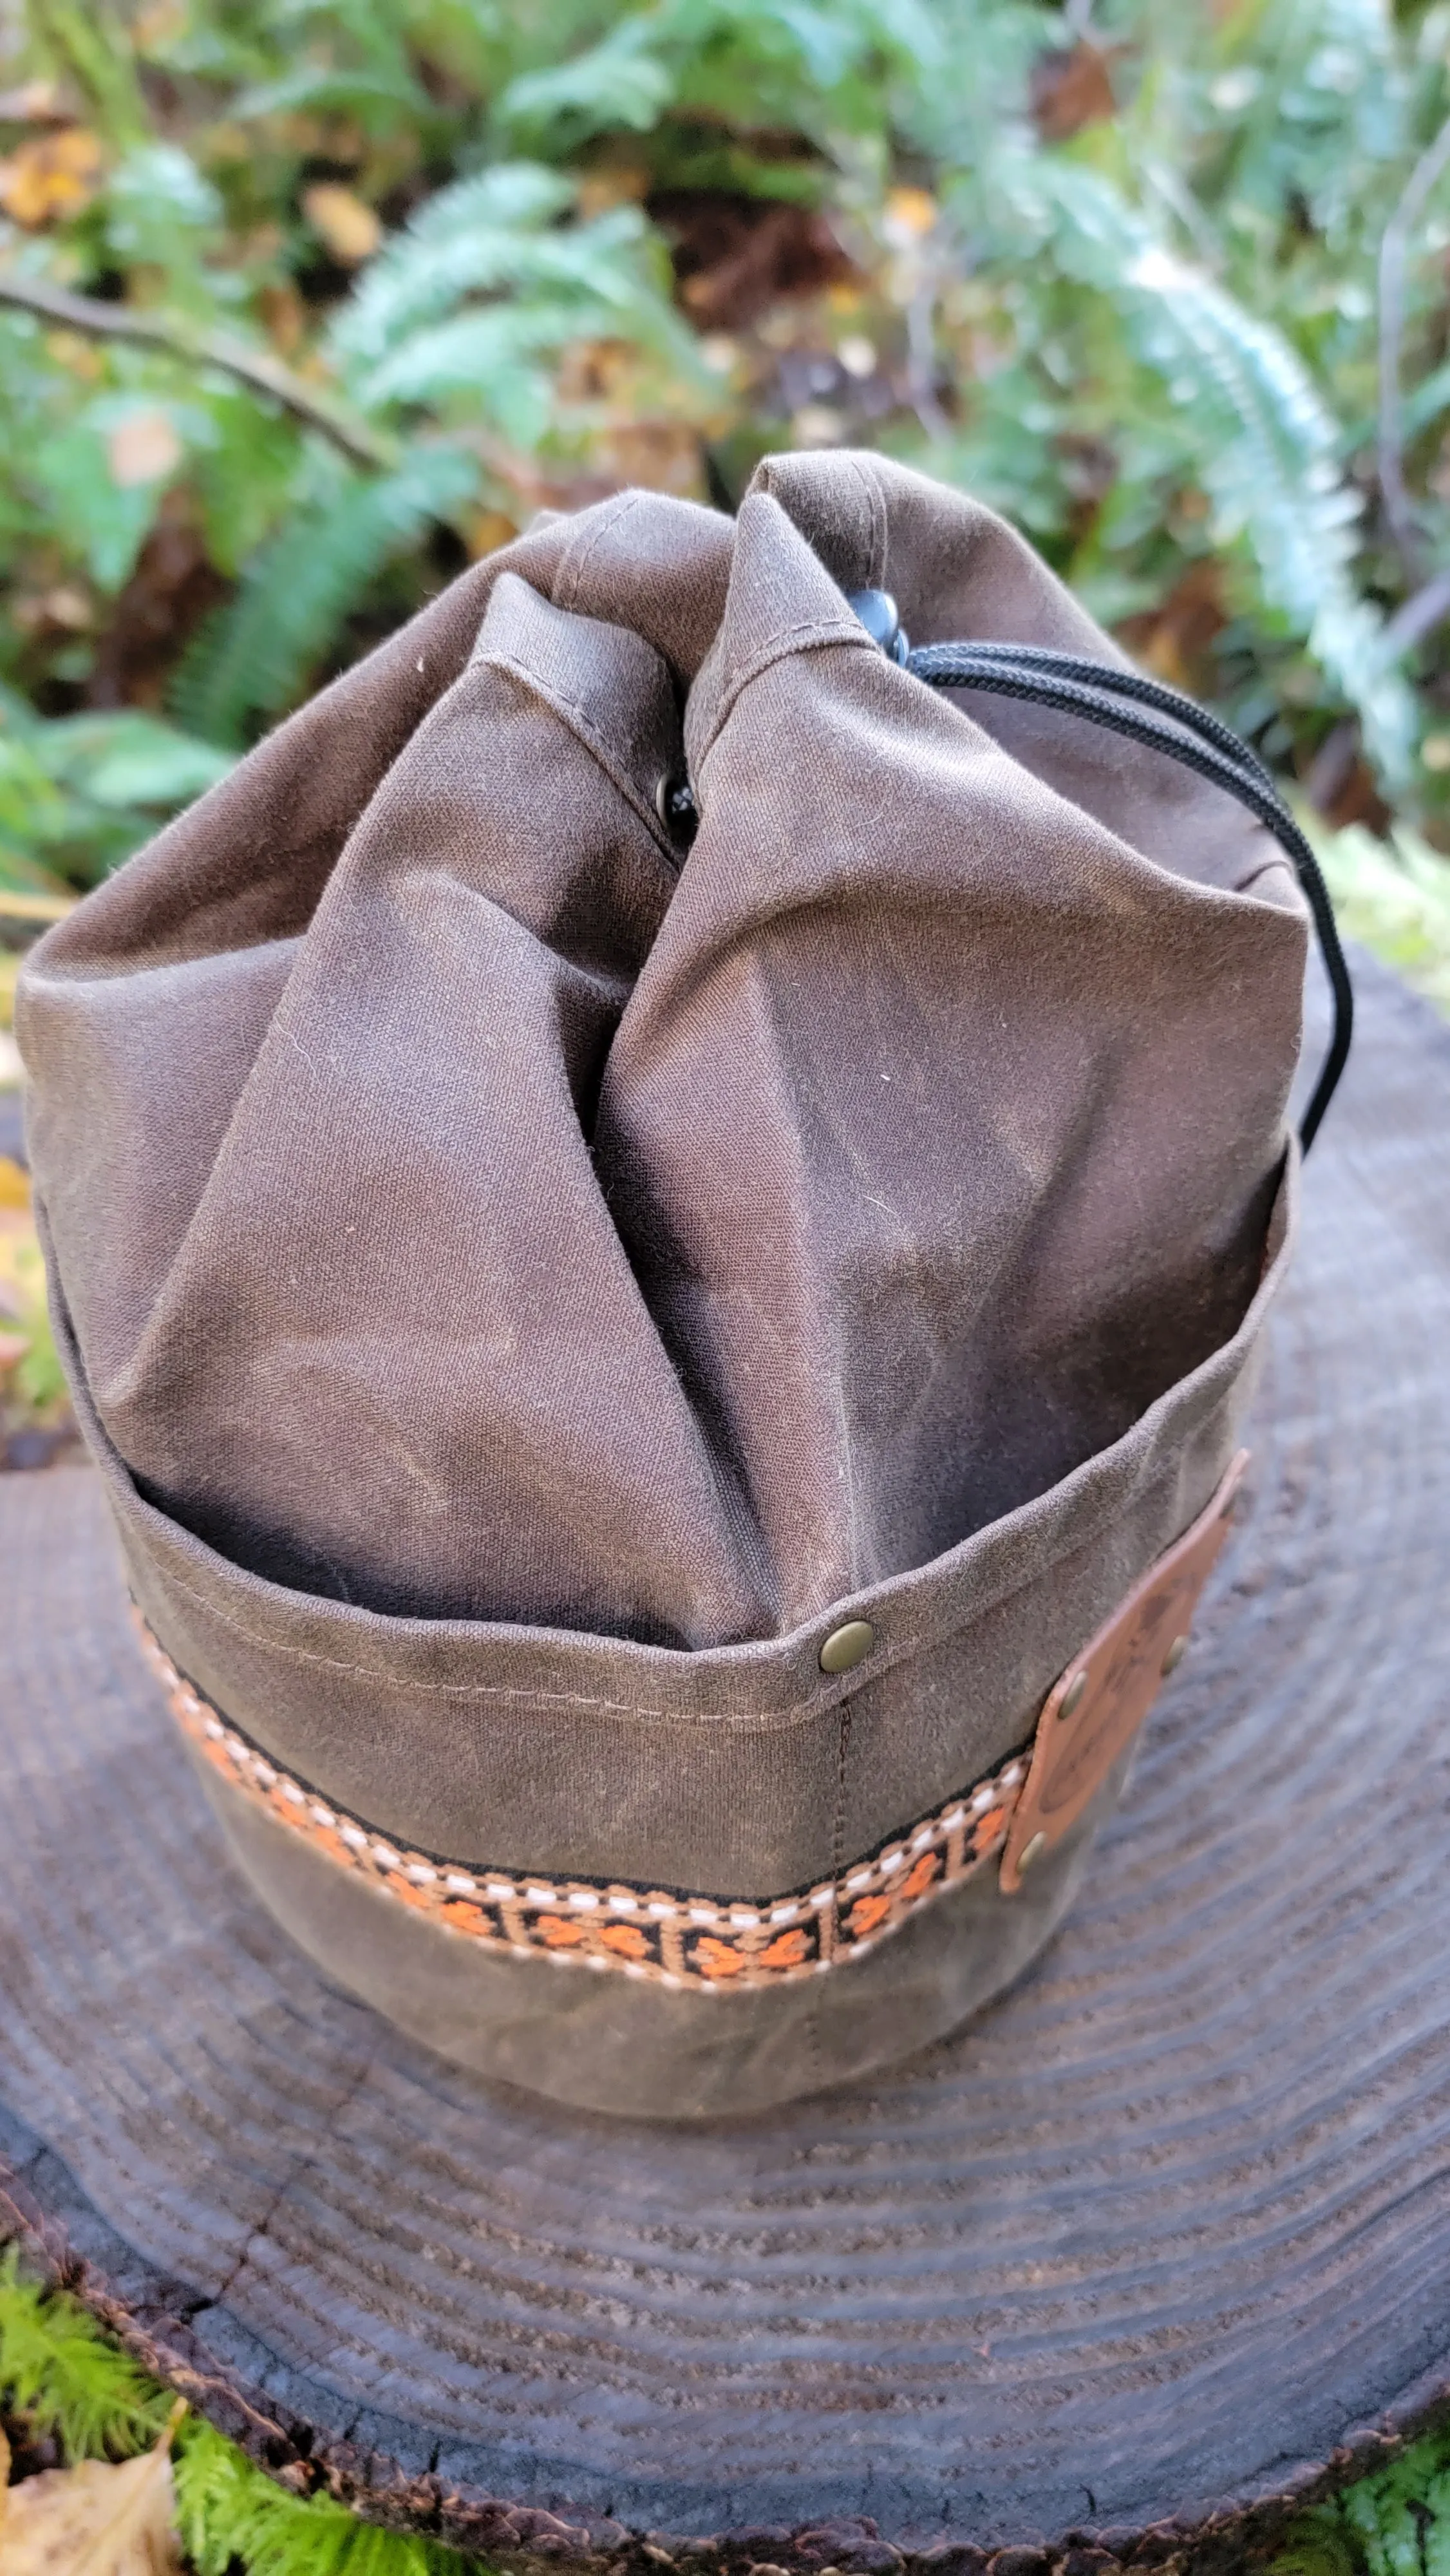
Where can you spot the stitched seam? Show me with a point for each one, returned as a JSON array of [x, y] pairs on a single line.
[[795, 1712], [870, 482], [594, 742], [574, 566], [613, 1924], [843, 1756], [792, 639]]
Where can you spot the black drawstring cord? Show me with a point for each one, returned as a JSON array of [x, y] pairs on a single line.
[[1124, 684], [1119, 700]]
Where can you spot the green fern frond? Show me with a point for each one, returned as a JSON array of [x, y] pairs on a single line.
[[333, 92], [1268, 446], [1396, 2522], [753, 63], [483, 235], [57, 2368], [485, 356], [408, 336], [1326, 96], [227, 2511], [620, 83], [253, 657]]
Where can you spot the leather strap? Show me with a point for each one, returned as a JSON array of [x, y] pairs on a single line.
[[1093, 1712]]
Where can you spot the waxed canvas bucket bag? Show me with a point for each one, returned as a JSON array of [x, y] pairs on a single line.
[[661, 1212]]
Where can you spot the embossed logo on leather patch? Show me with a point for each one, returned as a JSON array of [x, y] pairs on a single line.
[[1093, 1712]]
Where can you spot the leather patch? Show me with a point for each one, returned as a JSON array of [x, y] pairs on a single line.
[[1093, 1712]]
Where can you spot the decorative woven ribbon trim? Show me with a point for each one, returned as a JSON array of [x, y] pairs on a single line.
[[678, 1940], [1019, 1809]]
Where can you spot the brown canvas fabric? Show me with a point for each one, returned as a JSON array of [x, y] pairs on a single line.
[[503, 1252]]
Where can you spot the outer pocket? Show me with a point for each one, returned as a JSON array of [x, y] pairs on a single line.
[[731, 1784]]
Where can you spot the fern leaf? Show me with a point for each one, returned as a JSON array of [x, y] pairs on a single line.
[[752, 63], [486, 356], [56, 2366], [254, 657], [620, 82], [409, 335], [1325, 97], [1268, 445], [482, 236]]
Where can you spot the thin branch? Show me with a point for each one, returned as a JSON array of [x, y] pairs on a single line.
[[1393, 248], [1417, 616], [264, 375]]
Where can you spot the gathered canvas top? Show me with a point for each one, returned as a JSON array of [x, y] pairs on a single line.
[[470, 1200]]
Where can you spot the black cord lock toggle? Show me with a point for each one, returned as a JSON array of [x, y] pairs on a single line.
[[878, 614]]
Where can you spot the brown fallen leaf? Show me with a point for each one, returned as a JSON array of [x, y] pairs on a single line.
[[58, 174], [142, 449], [350, 229], [95, 2519], [1072, 88], [35, 102]]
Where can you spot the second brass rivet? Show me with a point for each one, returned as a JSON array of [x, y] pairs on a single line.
[[846, 1647], [1032, 1851], [1174, 1656]]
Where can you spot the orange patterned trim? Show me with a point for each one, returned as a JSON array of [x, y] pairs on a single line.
[[676, 1940]]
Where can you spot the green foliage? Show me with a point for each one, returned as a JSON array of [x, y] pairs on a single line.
[[255, 655], [79, 793], [1395, 896], [1393, 2523], [1125, 286], [407, 337], [59, 2371], [1266, 445], [228, 2511], [753, 64]]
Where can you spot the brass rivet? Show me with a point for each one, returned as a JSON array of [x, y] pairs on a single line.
[[1072, 1696], [846, 1647], [1032, 1851], [1174, 1656]]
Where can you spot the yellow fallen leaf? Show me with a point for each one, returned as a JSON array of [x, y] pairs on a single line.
[[58, 174], [350, 229], [95, 2519], [910, 212], [14, 1184], [142, 449]]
